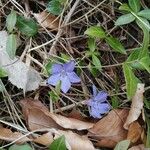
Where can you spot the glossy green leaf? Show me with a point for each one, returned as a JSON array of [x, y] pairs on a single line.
[[27, 26], [143, 23], [145, 14], [55, 7], [11, 46], [93, 70], [91, 44], [135, 5], [95, 32], [122, 145], [124, 19], [20, 147], [130, 79], [145, 62], [3, 73], [11, 21], [133, 59], [125, 7], [58, 144], [96, 62], [115, 45]]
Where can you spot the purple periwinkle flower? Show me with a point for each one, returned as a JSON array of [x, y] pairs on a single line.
[[65, 74], [98, 104]]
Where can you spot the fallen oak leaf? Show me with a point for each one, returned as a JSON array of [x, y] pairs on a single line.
[[47, 20], [37, 116], [136, 106], [109, 130]]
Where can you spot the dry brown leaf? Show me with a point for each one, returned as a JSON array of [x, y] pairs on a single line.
[[109, 130], [38, 116], [45, 139], [138, 147], [35, 117], [47, 20], [136, 106], [73, 140], [76, 141], [8, 135], [134, 132]]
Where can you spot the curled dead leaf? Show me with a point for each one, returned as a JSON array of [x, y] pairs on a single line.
[[134, 132], [37, 116], [47, 20], [109, 130], [136, 106]]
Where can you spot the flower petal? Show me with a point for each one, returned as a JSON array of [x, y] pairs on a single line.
[[94, 113], [65, 84], [73, 77], [54, 79], [103, 108], [56, 68], [69, 67], [101, 96]]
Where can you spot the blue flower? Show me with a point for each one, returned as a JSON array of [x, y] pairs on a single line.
[[98, 104], [65, 74]]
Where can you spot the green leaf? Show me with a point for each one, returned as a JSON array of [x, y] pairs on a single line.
[[20, 147], [143, 23], [135, 5], [53, 96], [27, 26], [11, 46], [58, 144], [123, 145], [93, 70], [125, 7], [133, 59], [91, 44], [95, 32], [145, 14], [115, 45], [124, 19], [3, 73], [130, 79], [11, 21], [145, 62], [55, 7], [65, 57], [96, 62], [114, 102]]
